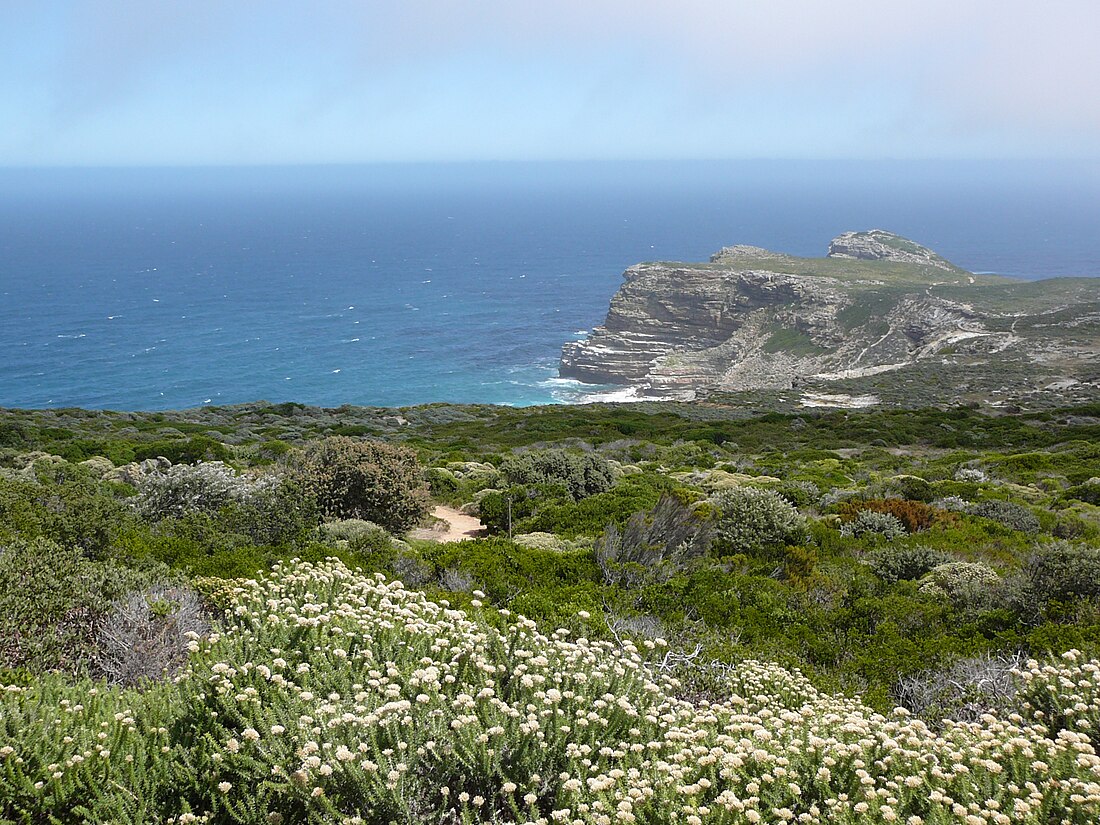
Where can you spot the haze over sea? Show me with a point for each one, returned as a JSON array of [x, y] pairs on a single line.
[[405, 284]]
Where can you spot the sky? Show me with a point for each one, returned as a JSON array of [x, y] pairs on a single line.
[[214, 82]]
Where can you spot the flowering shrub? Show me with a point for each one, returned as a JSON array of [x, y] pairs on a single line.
[[751, 519], [969, 474], [960, 581], [869, 523], [186, 488], [1063, 695], [335, 697], [952, 504]]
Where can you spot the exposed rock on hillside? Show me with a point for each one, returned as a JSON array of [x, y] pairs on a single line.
[[879, 245], [755, 319]]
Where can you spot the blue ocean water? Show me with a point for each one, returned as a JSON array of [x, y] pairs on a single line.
[[171, 288]]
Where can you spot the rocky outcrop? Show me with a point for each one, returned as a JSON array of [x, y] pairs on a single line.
[[880, 245], [756, 319]]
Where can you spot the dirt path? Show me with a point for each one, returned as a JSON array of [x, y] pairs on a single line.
[[458, 527]]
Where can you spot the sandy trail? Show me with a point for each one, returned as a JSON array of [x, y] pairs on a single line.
[[459, 527]]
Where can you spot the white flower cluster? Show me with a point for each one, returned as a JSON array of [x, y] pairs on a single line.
[[400, 704], [333, 696], [1063, 695]]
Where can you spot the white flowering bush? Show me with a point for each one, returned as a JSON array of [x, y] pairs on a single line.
[[970, 474], [204, 487], [1063, 695], [331, 696]]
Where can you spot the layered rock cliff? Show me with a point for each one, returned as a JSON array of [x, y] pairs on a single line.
[[756, 319]]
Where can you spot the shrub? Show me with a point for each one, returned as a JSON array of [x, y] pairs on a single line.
[[964, 691], [53, 600], [1061, 695], [801, 493], [912, 488], [872, 523], [501, 509], [364, 480], [653, 545], [589, 516], [969, 475], [544, 541], [147, 632], [751, 519], [184, 451], [1088, 492], [898, 562], [353, 531], [1062, 570], [582, 475], [913, 515], [1011, 515], [331, 696], [276, 512], [961, 582], [186, 488], [952, 504]]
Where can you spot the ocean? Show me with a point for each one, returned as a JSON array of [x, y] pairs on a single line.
[[405, 284]]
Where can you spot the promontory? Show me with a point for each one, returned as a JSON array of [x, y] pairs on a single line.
[[876, 305]]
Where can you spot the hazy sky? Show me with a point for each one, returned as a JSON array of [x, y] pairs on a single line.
[[320, 81]]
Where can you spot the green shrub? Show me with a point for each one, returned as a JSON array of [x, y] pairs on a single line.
[[653, 545], [365, 480], [1089, 492], [869, 523], [913, 488], [751, 519], [73, 513], [504, 509], [53, 601], [1007, 513], [961, 582], [184, 451], [589, 516], [1062, 570], [898, 562], [582, 475]]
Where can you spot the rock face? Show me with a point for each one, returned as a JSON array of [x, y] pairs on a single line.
[[755, 319], [880, 245]]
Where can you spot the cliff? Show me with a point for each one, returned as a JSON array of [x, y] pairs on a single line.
[[878, 303]]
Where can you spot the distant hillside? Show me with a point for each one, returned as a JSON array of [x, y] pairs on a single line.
[[878, 305]]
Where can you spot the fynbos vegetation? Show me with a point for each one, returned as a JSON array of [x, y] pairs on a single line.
[[696, 617]]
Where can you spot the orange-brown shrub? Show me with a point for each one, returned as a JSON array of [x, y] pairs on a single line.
[[915, 515]]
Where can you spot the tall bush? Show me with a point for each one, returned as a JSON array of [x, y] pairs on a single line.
[[366, 480], [583, 475], [751, 519]]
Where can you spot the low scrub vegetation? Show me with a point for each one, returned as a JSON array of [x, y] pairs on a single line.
[[677, 615]]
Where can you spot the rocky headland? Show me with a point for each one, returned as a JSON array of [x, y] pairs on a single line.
[[877, 305]]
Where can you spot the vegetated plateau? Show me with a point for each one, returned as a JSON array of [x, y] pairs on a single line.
[[682, 612]]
